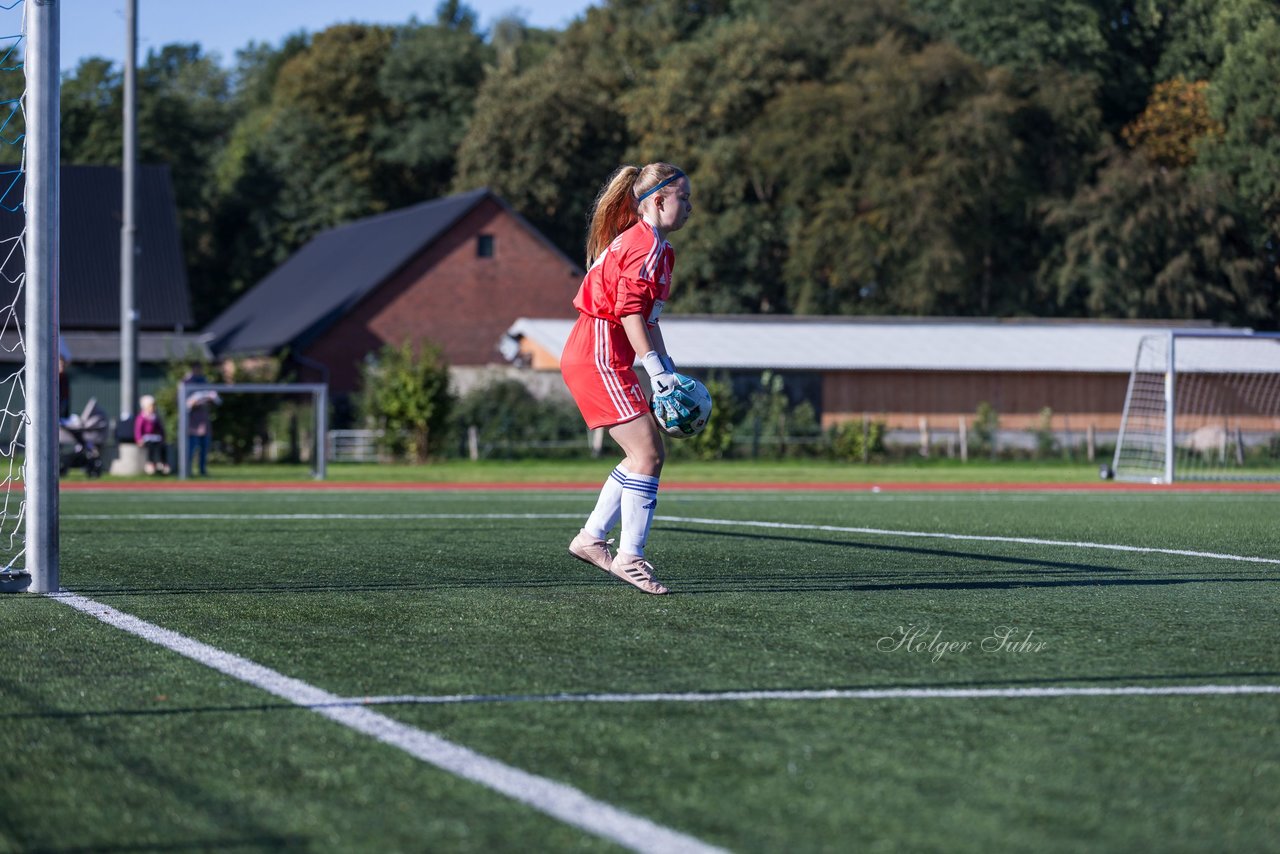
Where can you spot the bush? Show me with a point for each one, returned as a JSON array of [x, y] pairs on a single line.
[[857, 441], [508, 419], [986, 426], [1046, 444], [240, 422], [715, 441], [406, 394]]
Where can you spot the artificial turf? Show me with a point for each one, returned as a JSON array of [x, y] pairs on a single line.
[[111, 743]]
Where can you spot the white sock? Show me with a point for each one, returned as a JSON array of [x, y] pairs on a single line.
[[639, 498], [608, 506]]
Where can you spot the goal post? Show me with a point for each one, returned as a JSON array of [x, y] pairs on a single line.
[[1201, 405], [319, 393], [29, 513]]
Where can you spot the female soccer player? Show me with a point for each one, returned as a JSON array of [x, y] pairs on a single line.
[[628, 280]]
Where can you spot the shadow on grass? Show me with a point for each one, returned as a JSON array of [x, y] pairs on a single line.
[[984, 571], [118, 751], [1037, 573], [257, 843]]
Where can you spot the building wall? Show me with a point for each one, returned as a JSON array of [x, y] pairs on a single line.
[[457, 300], [101, 381], [902, 398]]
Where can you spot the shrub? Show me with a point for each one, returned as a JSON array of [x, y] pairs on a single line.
[[986, 426], [508, 419], [406, 394], [857, 441], [714, 442]]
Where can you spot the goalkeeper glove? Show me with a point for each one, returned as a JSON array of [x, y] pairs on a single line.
[[669, 410], [661, 377]]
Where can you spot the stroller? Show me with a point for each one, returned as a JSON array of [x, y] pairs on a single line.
[[81, 438]]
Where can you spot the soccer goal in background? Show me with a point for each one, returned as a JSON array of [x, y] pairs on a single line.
[[317, 392], [29, 468], [1202, 405]]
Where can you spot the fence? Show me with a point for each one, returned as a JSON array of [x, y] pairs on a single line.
[[355, 446]]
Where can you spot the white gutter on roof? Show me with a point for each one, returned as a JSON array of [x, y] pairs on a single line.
[[835, 345]]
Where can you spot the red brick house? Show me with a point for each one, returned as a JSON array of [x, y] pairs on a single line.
[[456, 271]]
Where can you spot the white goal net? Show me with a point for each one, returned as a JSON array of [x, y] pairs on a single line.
[[1202, 406]]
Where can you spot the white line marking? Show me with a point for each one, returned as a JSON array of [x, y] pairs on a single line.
[[827, 694], [557, 800], [691, 520]]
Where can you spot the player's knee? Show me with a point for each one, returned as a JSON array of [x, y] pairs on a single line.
[[649, 461]]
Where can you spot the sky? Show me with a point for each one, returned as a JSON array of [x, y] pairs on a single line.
[[96, 27]]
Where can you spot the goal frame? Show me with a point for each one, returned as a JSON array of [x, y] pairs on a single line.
[[320, 403], [41, 239], [1170, 467]]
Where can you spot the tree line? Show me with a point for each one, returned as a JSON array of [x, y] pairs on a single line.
[[1054, 158]]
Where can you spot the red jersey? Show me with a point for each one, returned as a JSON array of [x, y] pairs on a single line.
[[632, 276]]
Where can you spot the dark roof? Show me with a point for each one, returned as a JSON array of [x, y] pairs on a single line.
[[89, 238], [324, 279]]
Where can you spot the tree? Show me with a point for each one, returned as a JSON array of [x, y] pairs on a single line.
[[907, 181], [91, 105], [430, 78], [730, 252], [257, 65], [405, 392], [325, 111], [1025, 36], [1174, 123], [1149, 242], [353, 121], [1115, 44], [544, 140], [546, 137], [185, 115], [1199, 32], [1245, 99]]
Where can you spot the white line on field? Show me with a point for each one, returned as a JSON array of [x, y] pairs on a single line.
[[689, 520], [825, 694], [557, 800]]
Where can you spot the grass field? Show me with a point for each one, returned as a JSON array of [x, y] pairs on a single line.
[[958, 671]]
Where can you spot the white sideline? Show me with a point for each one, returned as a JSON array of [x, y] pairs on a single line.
[[692, 520], [557, 800], [825, 694]]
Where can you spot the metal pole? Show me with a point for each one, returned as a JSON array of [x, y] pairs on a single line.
[[40, 473], [128, 231], [1170, 382], [322, 429], [184, 444]]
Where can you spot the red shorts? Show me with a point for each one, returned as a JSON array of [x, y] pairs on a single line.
[[596, 364]]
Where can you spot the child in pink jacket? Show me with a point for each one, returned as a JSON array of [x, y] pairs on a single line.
[[148, 433]]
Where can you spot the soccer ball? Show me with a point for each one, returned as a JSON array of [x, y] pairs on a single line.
[[699, 410]]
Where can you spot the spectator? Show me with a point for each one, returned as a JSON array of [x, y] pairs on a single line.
[[199, 421], [148, 434], [64, 379]]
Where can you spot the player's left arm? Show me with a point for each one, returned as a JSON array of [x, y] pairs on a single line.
[[640, 335], [659, 345]]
